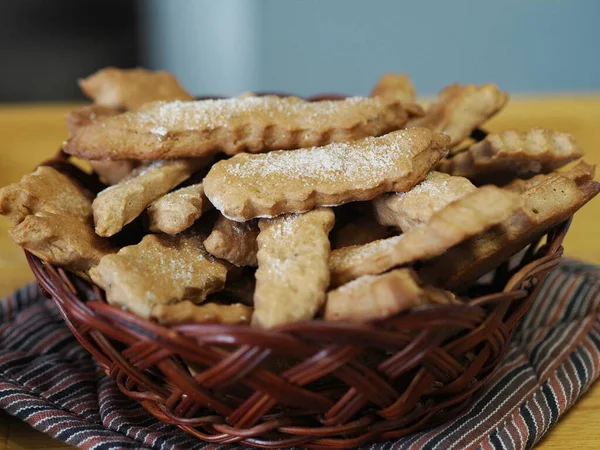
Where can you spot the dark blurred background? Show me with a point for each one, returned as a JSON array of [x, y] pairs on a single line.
[[303, 46]]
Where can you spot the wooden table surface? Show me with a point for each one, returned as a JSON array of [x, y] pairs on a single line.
[[32, 133]]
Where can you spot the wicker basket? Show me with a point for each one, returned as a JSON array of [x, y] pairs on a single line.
[[312, 384]]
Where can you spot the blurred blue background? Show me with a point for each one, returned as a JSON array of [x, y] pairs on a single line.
[[303, 46], [310, 46]]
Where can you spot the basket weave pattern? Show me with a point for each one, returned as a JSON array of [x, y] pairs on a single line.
[[316, 384]]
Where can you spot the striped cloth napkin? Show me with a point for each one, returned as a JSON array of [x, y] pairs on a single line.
[[49, 381]]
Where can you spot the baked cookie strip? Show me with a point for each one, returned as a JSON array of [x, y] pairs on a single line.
[[293, 273], [511, 154], [414, 208], [165, 130], [178, 210], [458, 221], [249, 186], [120, 204], [461, 109], [549, 200]]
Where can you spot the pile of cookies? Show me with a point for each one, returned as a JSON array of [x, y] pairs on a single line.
[[270, 210]]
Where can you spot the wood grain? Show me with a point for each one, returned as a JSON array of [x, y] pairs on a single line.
[[30, 134]]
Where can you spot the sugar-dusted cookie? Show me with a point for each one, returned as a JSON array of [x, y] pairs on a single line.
[[163, 130], [293, 272], [160, 270], [118, 205], [267, 185], [458, 221], [413, 208]]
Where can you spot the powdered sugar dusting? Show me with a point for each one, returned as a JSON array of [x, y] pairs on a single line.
[[366, 163], [285, 227], [160, 117]]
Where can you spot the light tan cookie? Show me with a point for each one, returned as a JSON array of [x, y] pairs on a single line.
[[45, 190], [131, 88], [395, 85], [163, 130], [501, 157], [248, 186], [178, 210], [460, 109], [160, 270], [118, 205], [548, 201], [361, 230], [375, 297], [61, 239], [458, 221], [293, 273], [413, 208], [188, 312], [112, 172], [85, 115], [234, 242], [580, 173]]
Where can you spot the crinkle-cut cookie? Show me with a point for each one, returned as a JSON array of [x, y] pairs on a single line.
[[131, 88], [178, 210], [234, 242], [510, 154], [188, 312], [293, 273], [375, 297], [549, 200], [112, 172], [460, 109], [361, 230], [164, 130], [84, 115], [61, 239], [580, 173], [45, 190], [267, 185], [118, 205], [160, 270], [413, 208], [458, 221], [397, 86]]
